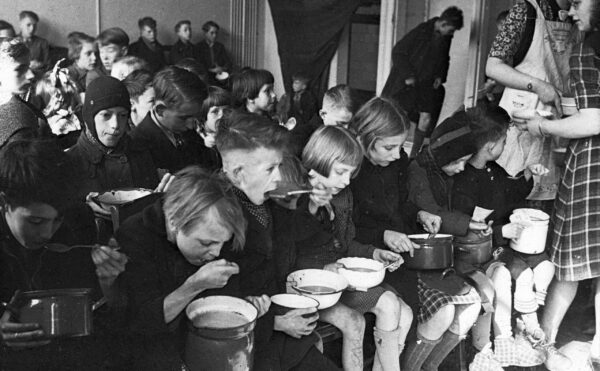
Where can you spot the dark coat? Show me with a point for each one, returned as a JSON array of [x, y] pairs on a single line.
[[421, 55], [155, 58], [164, 154], [181, 50], [431, 190], [490, 188], [24, 269], [129, 165], [220, 55], [381, 201]]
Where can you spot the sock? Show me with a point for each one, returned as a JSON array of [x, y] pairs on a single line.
[[417, 142], [417, 353], [540, 297], [387, 354], [449, 341], [531, 322]]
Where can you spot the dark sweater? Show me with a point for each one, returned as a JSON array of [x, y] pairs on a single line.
[[490, 188], [155, 58]]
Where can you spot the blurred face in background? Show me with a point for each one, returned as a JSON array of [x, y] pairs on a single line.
[[211, 35], [87, 57], [185, 32], [15, 75], [110, 53], [28, 27], [148, 33]]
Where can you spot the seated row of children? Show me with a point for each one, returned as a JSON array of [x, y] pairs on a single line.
[[366, 198]]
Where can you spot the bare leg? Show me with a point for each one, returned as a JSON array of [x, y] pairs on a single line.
[[595, 349], [560, 297], [542, 276], [352, 325], [438, 324]]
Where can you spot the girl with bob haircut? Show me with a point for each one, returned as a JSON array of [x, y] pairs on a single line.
[[252, 91], [333, 156]]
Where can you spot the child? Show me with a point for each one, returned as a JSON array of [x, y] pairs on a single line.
[[147, 47], [17, 117], [212, 110], [38, 47], [61, 102], [184, 48], [252, 91], [252, 149], [126, 65], [194, 67], [486, 184], [327, 233], [141, 94], [430, 179], [113, 44], [168, 131], [212, 53], [82, 55], [304, 104], [6, 30]]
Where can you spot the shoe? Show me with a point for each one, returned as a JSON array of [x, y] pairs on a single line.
[[536, 338], [555, 360], [526, 355], [485, 360]]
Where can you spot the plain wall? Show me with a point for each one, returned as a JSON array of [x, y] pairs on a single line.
[[59, 17]]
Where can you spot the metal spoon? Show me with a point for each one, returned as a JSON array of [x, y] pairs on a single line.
[[59, 247]]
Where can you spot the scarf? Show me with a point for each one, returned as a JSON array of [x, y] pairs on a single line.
[[260, 212]]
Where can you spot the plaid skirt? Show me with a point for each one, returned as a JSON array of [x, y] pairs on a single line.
[[575, 247], [431, 300]]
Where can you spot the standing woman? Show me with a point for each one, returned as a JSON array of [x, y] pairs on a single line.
[[384, 212], [530, 56], [576, 238]]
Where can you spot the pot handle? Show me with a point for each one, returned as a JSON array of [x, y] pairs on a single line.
[[448, 271], [11, 306], [462, 249], [99, 303]]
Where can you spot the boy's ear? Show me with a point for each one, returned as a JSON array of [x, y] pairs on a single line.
[[322, 113], [159, 107], [124, 50], [237, 175]]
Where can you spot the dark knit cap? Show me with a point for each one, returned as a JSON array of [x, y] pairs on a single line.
[[102, 93], [453, 139]]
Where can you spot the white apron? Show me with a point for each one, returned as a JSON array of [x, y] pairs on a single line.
[[547, 59]]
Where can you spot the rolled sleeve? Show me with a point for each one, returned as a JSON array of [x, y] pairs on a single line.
[[585, 77]]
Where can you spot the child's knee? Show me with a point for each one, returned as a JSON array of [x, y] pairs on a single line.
[[406, 314], [387, 305], [444, 316], [525, 279], [501, 275]]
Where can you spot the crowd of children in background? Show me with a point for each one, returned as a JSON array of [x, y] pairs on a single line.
[[211, 141]]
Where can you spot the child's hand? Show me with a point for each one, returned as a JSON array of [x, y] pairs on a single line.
[[431, 223], [290, 124], [262, 303], [399, 242], [477, 226], [320, 196], [538, 169], [387, 257], [512, 230], [165, 182]]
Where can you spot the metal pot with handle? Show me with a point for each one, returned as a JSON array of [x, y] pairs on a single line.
[[435, 252], [474, 248]]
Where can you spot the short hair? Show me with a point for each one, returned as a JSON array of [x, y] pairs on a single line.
[[210, 24], [502, 16], [126, 65], [248, 132], [13, 49], [114, 35], [293, 172], [29, 14], [147, 21], [217, 97], [194, 194], [75, 41], [138, 82], [377, 119], [37, 171], [4, 25], [453, 16], [340, 97], [181, 23], [329, 144], [174, 86], [492, 124], [301, 76], [247, 84], [194, 66]]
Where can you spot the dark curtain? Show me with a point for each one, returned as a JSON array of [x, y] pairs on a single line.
[[308, 33]]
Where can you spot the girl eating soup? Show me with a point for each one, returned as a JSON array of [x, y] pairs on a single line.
[[326, 233]]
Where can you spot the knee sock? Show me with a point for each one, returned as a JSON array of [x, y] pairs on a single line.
[[417, 142], [417, 353], [449, 341], [387, 357]]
